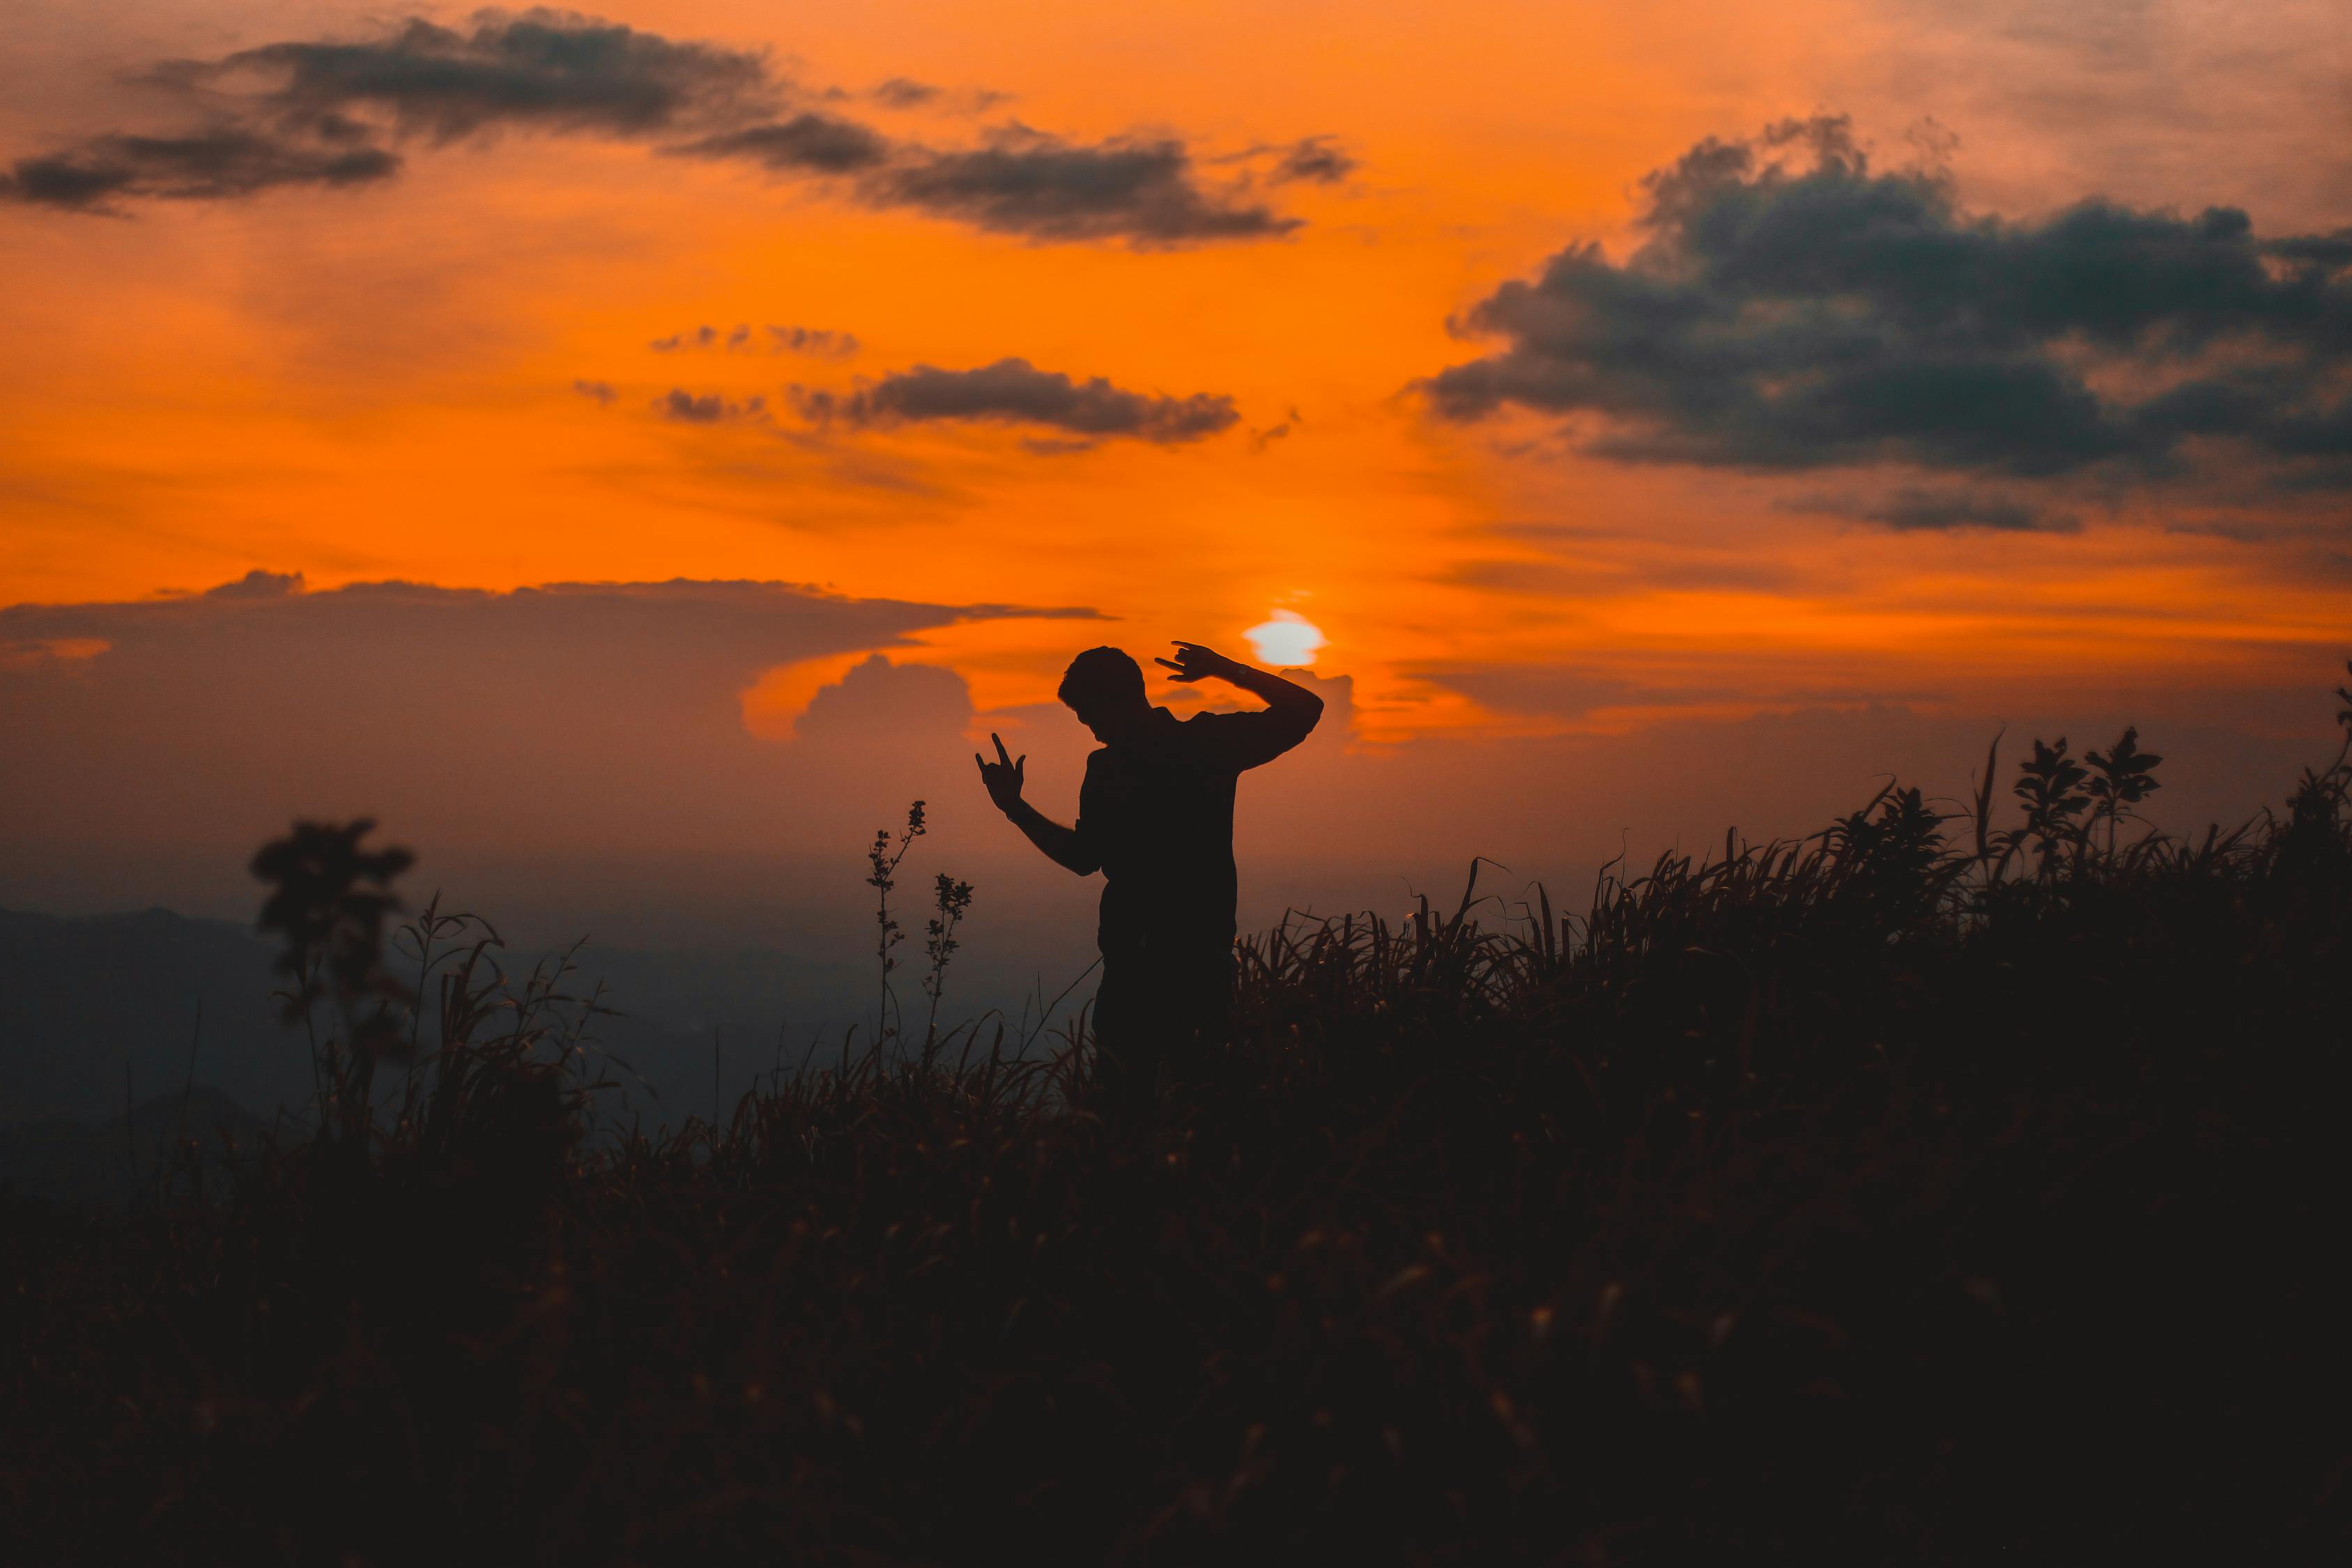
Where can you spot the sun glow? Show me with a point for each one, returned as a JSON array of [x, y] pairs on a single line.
[[1287, 640]]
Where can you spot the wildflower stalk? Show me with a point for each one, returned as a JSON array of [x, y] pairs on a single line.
[[950, 900], [884, 859]]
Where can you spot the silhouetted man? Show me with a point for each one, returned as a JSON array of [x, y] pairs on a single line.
[[1156, 817]]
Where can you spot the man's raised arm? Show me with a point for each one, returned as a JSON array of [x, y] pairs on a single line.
[[1003, 778], [1303, 708]]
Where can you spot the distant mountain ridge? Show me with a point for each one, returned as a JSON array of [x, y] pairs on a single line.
[[101, 1011], [96, 1010]]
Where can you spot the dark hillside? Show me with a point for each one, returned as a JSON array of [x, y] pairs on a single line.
[[1934, 1189], [83, 998], [121, 1159]]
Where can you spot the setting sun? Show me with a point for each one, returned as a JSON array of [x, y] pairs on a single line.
[[1286, 639]]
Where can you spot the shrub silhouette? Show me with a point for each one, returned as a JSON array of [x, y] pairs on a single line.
[[333, 922], [1939, 1187]]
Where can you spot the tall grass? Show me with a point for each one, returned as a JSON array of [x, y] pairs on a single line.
[[1939, 1187]]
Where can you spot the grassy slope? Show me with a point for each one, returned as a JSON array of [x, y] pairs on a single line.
[[1845, 1200]]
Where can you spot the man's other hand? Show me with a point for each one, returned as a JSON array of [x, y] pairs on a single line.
[[1003, 776], [1195, 662]]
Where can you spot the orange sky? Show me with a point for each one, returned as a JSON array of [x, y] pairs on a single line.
[[379, 383]]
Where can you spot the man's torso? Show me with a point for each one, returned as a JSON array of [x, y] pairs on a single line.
[[1159, 812]]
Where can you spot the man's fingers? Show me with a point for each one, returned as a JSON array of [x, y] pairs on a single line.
[[979, 762], [1002, 754], [1169, 662], [1022, 763]]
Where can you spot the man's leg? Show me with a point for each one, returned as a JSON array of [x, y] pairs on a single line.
[[1128, 1030], [1198, 1007]]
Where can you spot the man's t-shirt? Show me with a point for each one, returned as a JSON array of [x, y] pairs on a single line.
[[1158, 813]]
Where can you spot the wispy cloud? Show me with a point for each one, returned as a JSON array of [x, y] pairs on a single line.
[[685, 407], [821, 342], [1014, 391], [333, 111]]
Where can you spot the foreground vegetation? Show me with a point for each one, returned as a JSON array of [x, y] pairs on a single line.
[[1935, 1189]]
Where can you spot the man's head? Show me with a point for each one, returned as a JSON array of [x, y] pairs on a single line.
[[1104, 688]]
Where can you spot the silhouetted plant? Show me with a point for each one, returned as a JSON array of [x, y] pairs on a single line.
[[329, 902], [2050, 783], [431, 939], [2121, 779], [1896, 856], [884, 859], [2320, 798], [950, 900]]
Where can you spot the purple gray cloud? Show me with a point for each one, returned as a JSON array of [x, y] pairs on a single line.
[[312, 112], [1014, 391], [1793, 308]]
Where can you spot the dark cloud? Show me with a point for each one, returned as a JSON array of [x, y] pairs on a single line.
[[1911, 509], [1027, 183], [818, 342], [707, 409], [1791, 307], [315, 113], [905, 92], [1019, 181], [601, 391], [325, 112], [2332, 251], [546, 69], [806, 144], [1014, 391], [1317, 159], [226, 161], [1291, 420], [821, 341]]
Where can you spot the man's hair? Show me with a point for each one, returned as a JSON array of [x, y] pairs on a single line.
[[1101, 677]]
